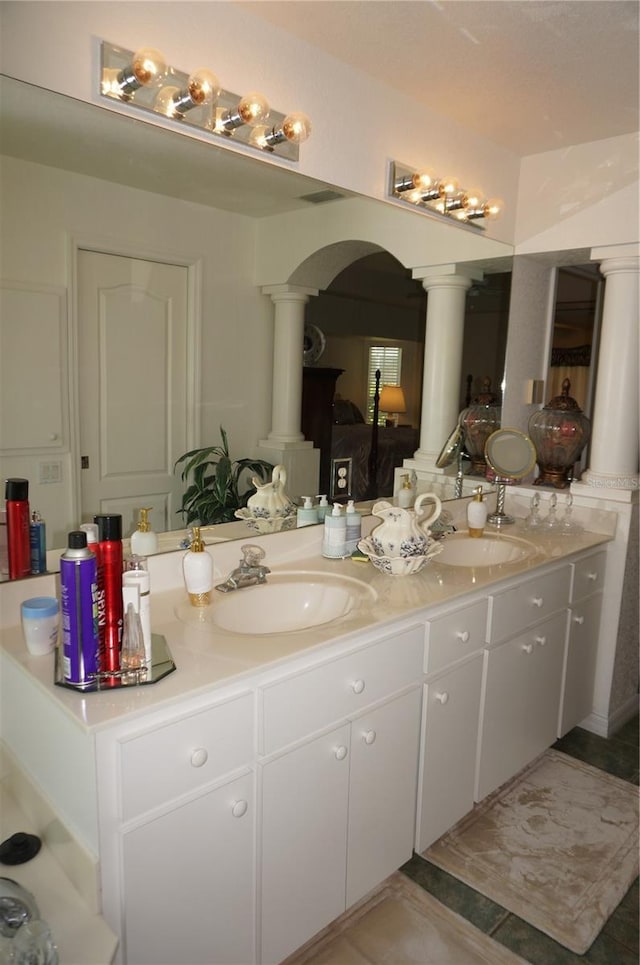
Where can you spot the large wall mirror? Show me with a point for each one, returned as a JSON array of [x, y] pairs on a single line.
[[79, 180]]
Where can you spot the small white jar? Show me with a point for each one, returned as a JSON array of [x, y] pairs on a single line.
[[40, 624]]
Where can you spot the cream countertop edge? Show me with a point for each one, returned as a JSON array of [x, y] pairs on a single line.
[[213, 660]]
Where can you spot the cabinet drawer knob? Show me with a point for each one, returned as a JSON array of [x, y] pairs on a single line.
[[239, 808], [541, 641], [527, 647], [443, 698], [199, 757], [341, 752], [592, 576], [579, 620], [537, 601], [357, 686], [369, 737], [463, 636]]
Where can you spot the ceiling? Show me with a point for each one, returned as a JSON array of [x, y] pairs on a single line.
[[530, 75]]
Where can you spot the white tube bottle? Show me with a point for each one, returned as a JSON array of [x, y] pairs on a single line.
[[335, 534]]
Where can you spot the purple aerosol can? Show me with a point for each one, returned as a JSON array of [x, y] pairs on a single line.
[[79, 607]]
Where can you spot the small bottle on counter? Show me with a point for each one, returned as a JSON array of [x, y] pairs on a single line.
[[406, 493], [307, 514], [38, 543], [334, 540], [197, 567], [477, 514], [18, 543], [140, 580], [144, 541], [79, 609], [354, 527], [322, 507], [110, 613]]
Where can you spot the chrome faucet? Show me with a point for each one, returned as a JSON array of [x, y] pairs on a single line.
[[249, 572]]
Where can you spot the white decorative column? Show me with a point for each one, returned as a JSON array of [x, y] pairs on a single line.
[[614, 450], [446, 290], [285, 443]]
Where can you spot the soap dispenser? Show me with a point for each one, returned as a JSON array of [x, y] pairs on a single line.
[[322, 508], [406, 492], [477, 513], [144, 541], [307, 514], [354, 527], [335, 534], [197, 566]]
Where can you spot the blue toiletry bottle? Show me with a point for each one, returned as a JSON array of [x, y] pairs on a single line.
[[334, 543], [38, 543]]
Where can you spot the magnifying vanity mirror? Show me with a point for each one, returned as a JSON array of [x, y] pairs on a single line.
[[511, 455], [126, 187]]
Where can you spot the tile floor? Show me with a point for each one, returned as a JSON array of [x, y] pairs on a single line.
[[618, 943]]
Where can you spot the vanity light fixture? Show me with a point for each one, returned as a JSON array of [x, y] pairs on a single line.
[[440, 195], [143, 81]]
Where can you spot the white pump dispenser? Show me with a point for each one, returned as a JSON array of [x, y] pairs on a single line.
[[335, 534]]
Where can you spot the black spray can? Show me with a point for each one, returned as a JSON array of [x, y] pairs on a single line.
[[79, 608]]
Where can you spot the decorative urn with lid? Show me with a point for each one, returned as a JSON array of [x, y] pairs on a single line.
[[559, 432], [477, 422]]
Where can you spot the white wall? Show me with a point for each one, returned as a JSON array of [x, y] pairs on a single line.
[[44, 208], [358, 123]]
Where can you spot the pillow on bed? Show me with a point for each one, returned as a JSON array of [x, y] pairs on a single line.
[[345, 413]]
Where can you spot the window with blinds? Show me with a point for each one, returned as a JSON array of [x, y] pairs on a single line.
[[387, 358]]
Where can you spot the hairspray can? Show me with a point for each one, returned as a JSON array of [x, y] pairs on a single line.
[[110, 616], [17, 507], [38, 540], [78, 592]]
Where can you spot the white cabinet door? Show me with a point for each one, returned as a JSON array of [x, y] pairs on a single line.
[[382, 792], [521, 701], [189, 882], [450, 714], [580, 665], [304, 842]]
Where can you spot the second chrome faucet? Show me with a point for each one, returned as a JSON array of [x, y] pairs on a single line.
[[249, 572]]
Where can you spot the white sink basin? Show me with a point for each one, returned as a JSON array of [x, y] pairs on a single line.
[[487, 550], [289, 602]]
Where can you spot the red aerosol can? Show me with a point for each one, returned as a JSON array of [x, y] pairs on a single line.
[[110, 615], [18, 535]]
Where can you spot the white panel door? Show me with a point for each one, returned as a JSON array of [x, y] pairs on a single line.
[[132, 383]]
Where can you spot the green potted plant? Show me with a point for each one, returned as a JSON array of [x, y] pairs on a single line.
[[217, 485]]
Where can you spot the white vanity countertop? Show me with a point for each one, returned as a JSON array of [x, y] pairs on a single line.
[[207, 658]]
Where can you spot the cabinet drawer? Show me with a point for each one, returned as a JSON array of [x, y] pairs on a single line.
[[519, 607], [315, 698], [185, 754], [588, 575], [455, 635]]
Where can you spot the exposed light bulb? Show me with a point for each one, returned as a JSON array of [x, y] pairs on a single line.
[[492, 208], [147, 69], [252, 109], [472, 199], [424, 181], [447, 187], [296, 128], [202, 89]]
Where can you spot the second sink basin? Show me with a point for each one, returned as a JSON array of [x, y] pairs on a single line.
[[289, 602], [487, 550]]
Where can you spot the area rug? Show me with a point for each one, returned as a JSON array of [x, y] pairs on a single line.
[[401, 924], [557, 846]]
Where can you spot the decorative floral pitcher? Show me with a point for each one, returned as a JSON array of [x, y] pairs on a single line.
[[404, 532], [271, 499]]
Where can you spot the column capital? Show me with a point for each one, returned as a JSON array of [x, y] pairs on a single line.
[[615, 251], [293, 293], [446, 276], [623, 264]]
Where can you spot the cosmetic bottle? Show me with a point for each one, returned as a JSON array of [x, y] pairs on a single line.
[[197, 566], [91, 529], [322, 508], [406, 493], [110, 615], [18, 543], [334, 542], [38, 543], [144, 541], [4, 547], [78, 605], [353, 522], [307, 514], [140, 580], [477, 514], [132, 658]]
